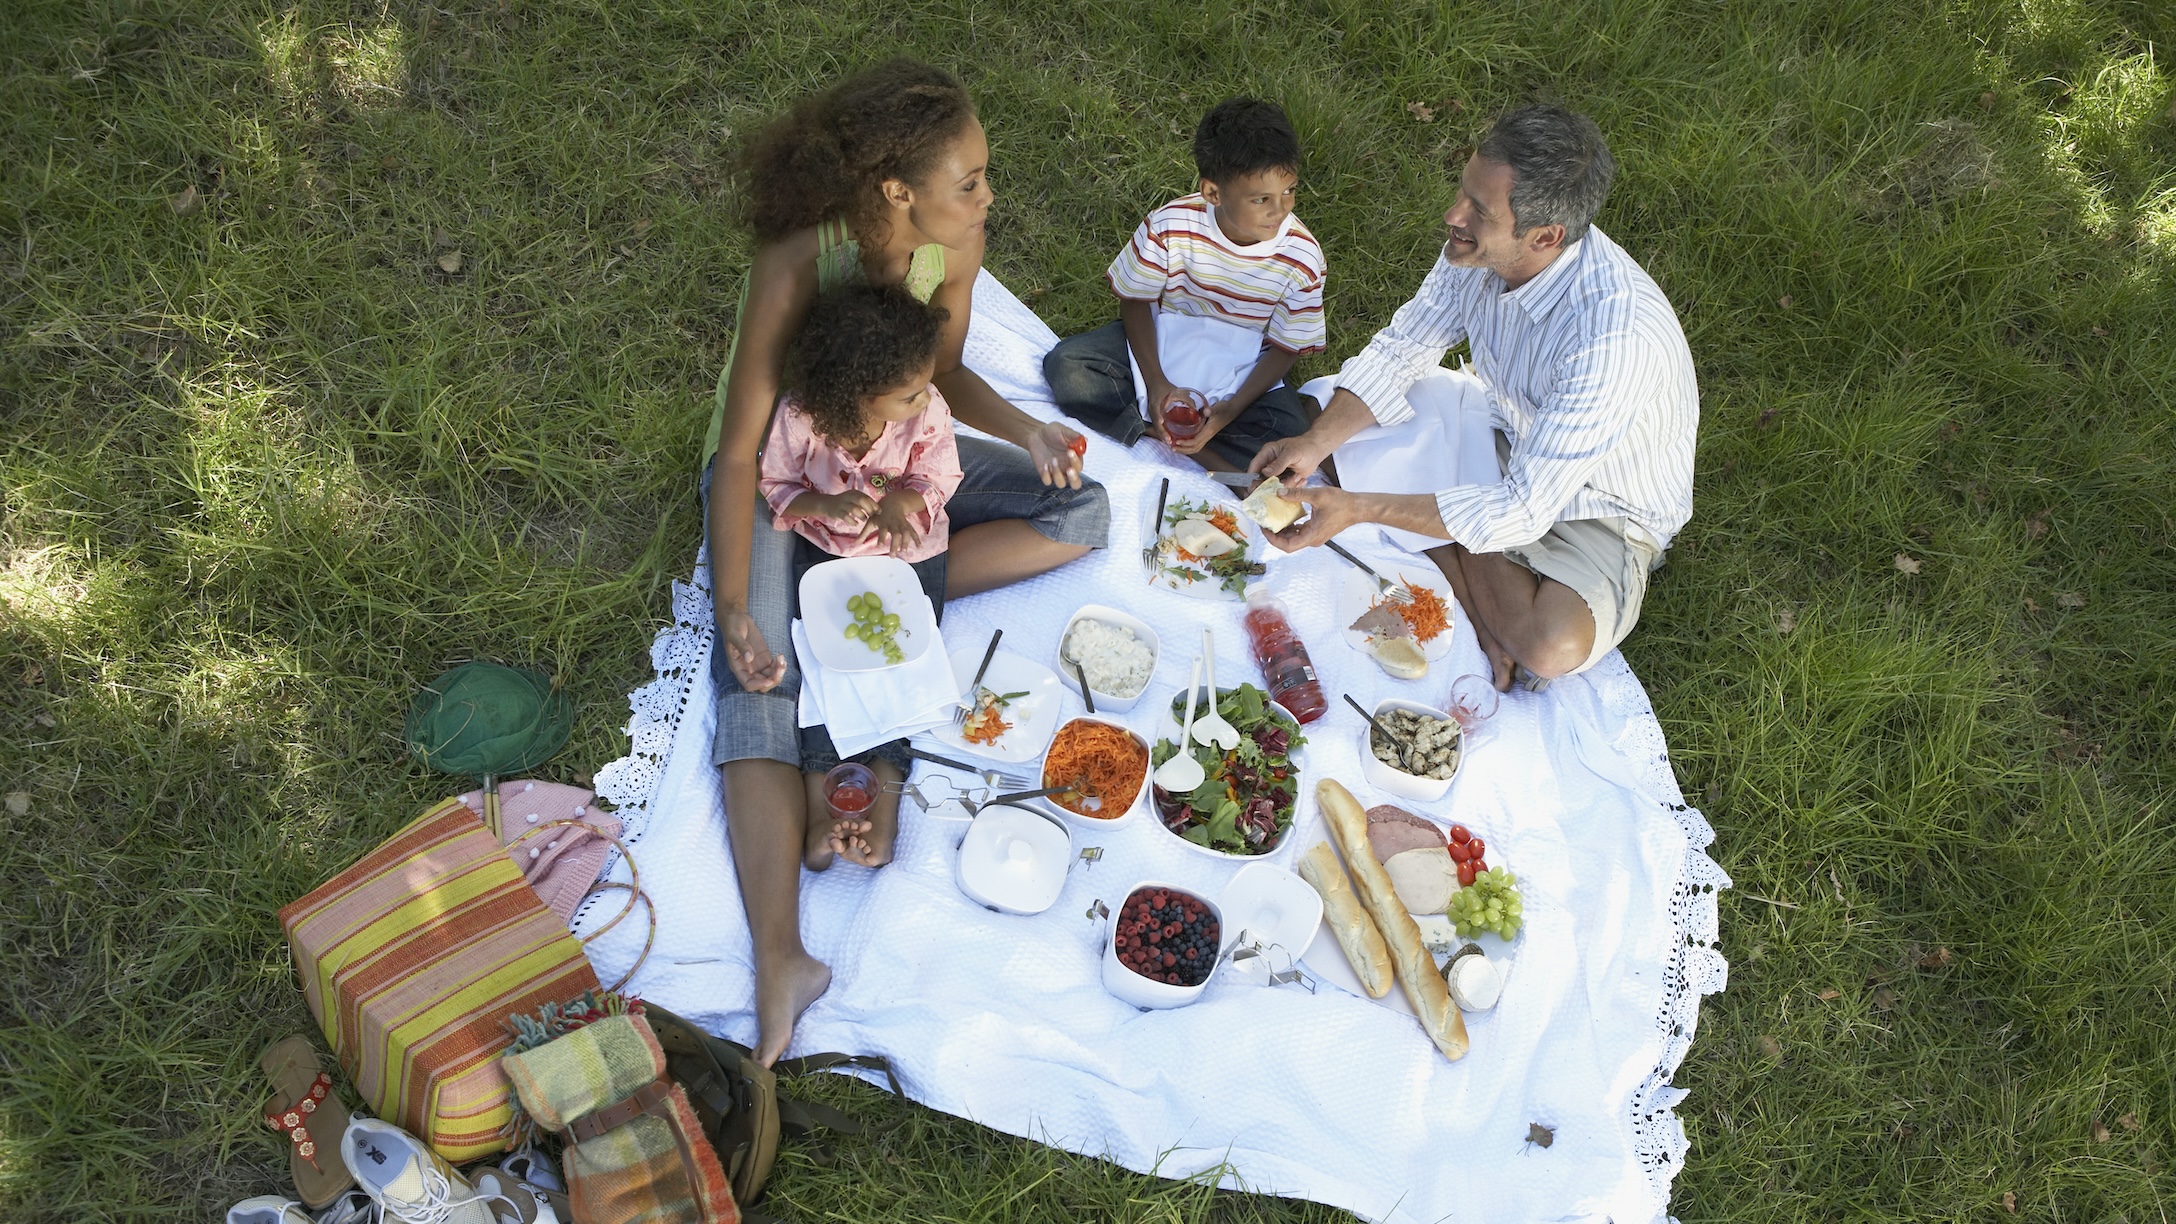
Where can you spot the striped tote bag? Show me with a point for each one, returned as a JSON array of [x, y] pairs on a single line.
[[412, 960]]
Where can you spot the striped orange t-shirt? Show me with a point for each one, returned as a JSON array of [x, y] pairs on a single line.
[[1179, 259]]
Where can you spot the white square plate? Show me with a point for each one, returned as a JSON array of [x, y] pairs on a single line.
[[1034, 718], [824, 591]]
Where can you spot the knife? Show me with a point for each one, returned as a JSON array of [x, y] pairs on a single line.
[[1244, 482]]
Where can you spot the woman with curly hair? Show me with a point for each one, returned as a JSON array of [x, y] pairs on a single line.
[[878, 180]]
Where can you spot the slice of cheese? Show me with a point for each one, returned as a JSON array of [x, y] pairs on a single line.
[[1201, 538]]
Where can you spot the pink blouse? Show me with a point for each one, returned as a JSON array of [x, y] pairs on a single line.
[[918, 453]]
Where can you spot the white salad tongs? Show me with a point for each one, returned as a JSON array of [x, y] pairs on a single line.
[[1213, 730], [1182, 773]]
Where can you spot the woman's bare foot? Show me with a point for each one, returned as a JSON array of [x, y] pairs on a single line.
[[784, 990], [868, 843]]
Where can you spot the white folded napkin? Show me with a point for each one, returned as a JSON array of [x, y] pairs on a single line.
[[1207, 355], [1450, 432], [864, 709]]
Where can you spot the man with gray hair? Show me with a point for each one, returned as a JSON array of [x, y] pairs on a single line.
[[1559, 463]]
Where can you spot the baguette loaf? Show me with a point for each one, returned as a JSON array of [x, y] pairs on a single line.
[[1355, 931], [1416, 969]]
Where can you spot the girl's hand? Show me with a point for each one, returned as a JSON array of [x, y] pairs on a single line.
[[851, 509], [1057, 453], [753, 664], [891, 526]]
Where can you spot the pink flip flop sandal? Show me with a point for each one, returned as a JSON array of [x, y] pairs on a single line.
[[306, 1110]]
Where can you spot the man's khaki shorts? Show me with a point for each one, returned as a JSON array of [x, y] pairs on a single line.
[[1596, 559]]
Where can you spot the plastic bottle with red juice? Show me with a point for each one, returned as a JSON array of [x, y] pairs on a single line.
[[1286, 670]]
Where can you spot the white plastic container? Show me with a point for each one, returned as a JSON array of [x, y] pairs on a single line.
[[1167, 727], [1131, 987], [1013, 860], [1397, 781], [1110, 703], [825, 589], [1108, 818]]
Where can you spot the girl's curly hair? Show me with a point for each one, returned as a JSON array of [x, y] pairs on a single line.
[[829, 155], [858, 341]]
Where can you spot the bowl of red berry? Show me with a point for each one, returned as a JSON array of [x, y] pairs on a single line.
[[1162, 946]]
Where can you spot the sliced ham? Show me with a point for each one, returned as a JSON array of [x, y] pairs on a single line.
[[1393, 830]]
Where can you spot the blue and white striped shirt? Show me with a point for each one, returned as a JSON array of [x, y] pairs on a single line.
[[1590, 378]]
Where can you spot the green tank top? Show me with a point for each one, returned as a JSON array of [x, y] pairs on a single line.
[[838, 262]]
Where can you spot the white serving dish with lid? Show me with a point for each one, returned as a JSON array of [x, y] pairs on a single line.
[[1013, 860], [1397, 781], [1110, 703], [1114, 819]]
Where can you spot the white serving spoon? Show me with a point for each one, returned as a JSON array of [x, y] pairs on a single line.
[[1212, 730], [1182, 773]]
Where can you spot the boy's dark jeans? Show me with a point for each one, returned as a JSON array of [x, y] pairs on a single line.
[[1091, 379]]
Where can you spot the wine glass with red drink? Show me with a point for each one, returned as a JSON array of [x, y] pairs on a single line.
[[1184, 414]]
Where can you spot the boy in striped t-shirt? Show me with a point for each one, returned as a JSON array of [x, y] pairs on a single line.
[[1219, 293]]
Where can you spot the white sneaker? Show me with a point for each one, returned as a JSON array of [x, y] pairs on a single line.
[[267, 1209], [408, 1181]]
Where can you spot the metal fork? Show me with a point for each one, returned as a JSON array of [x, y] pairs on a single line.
[[974, 688], [995, 779], [1393, 592]]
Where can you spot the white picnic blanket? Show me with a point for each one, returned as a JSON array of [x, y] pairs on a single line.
[[1331, 1097]]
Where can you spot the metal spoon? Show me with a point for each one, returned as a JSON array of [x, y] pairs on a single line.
[[1213, 730], [1405, 750], [1182, 773]]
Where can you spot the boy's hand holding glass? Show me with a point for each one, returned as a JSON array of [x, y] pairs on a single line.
[[1214, 418], [893, 524]]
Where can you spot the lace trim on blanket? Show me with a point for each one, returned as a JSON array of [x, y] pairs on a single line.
[[680, 654], [1658, 1136]]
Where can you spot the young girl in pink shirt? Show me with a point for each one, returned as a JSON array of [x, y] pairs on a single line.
[[861, 460]]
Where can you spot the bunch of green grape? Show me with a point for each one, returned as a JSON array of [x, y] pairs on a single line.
[[1490, 903], [873, 627]]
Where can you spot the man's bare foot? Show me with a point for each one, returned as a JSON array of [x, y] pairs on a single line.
[[783, 991]]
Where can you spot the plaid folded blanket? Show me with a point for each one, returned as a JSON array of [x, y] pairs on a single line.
[[638, 1154]]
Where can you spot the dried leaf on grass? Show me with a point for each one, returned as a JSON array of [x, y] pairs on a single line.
[[185, 201], [2009, 1202], [642, 226], [1884, 999], [449, 262], [1937, 959], [2128, 1122], [2037, 526], [1908, 564], [1830, 995], [1786, 621], [2100, 1131], [1770, 1048], [2069, 599], [1784, 301], [18, 803], [1421, 111]]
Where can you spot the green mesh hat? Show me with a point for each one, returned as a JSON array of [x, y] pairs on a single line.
[[483, 719]]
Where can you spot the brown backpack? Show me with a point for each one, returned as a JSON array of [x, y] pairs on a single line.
[[737, 1100]]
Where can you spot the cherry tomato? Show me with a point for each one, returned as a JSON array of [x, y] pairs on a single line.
[[1079, 446], [1466, 874], [1460, 834], [1477, 847], [1459, 853], [1479, 866]]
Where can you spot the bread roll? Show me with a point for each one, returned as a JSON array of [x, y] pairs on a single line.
[[1267, 506], [1355, 931], [1416, 969]]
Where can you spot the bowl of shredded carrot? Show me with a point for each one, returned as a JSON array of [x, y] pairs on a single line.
[[1107, 761]]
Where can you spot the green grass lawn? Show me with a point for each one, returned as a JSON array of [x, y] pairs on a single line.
[[268, 465]]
